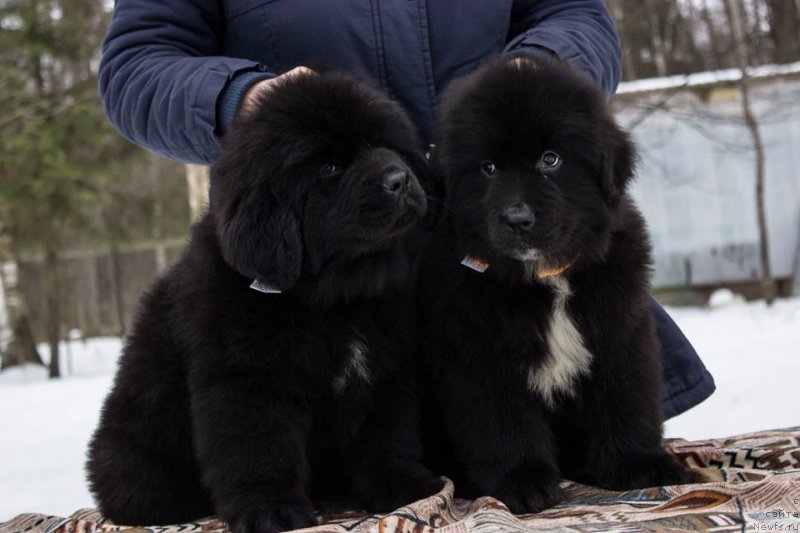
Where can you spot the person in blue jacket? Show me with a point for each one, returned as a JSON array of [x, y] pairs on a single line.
[[175, 73]]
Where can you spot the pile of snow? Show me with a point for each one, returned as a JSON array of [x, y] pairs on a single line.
[[724, 298], [751, 350]]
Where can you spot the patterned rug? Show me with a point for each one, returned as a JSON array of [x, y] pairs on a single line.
[[752, 484]]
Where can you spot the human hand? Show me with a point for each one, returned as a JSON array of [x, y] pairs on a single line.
[[254, 93]]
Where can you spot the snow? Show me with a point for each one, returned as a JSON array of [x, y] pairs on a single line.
[[700, 79], [723, 298], [751, 350], [46, 426]]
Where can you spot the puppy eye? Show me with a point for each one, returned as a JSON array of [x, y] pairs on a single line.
[[549, 161], [329, 170], [488, 168]]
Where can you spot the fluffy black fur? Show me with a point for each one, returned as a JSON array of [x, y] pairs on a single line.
[[248, 405], [487, 338]]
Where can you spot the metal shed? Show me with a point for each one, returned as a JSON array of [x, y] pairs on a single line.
[[696, 182]]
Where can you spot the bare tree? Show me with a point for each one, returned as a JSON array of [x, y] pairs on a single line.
[[784, 23], [52, 289], [735, 17], [666, 37], [628, 56]]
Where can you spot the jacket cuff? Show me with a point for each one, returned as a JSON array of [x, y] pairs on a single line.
[[230, 100]]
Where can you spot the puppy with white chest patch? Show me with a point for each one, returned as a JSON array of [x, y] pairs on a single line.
[[538, 342]]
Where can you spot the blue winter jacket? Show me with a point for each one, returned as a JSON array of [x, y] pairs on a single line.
[[173, 74]]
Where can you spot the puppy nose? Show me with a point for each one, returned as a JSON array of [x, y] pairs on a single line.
[[395, 181], [518, 217]]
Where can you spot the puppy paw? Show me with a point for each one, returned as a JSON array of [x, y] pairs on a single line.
[[649, 469], [392, 490], [273, 518], [528, 492]]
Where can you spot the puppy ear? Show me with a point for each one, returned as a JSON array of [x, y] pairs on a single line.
[[618, 162], [262, 240]]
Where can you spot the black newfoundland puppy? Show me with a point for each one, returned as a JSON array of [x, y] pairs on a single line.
[[249, 402], [538, 342]]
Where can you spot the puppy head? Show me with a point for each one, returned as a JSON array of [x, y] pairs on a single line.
[[533, 162], [325, 169]]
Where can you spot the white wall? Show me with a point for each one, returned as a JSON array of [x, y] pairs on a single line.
[[696, 183]]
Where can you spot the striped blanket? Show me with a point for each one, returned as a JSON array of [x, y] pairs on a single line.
[[752, 484]]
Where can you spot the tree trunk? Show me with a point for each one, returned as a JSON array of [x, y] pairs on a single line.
[[52, 294], [198, 180], [20, 346], [691, 27], [713, 37], [158, 218], [657, 43], [796, 271], [629, 65], [784, 22], [734, 10], [116, 279]]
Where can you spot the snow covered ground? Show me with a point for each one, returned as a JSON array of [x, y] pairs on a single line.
[[46, 426], [751, 350]]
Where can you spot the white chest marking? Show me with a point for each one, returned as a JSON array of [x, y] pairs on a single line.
[[356, 365], [567, 357]]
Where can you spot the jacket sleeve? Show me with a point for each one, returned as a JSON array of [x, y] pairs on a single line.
[[579, 31], [162, 79]]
